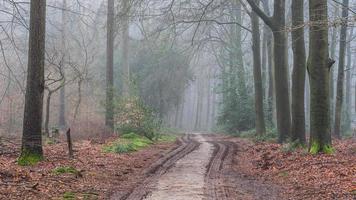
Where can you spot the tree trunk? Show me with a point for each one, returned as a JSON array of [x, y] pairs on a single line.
[[277, 24], [31, 150], [62, 103], [270, 93], [319, 67], [125, 49], [109, 115], [208, 104], [332, 56], [48, 107], [260, 122], [348, 81], [299, 71], [341, 68]]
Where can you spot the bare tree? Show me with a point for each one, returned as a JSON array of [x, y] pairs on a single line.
[[277, 25], [341, 69], [319, 68], [109, 117], [31, 151]]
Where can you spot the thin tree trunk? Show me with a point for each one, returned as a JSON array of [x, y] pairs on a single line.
[[341, 68], [62, 103], [125, 49], [269, 43], [48, 107], [208, 106], [260, 122], [109, 116], [332, 55], [299, 71], [348, 81], [319, 67], [31, 150]]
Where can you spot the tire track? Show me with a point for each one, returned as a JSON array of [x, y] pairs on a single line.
[[221, 160], [188, 144]]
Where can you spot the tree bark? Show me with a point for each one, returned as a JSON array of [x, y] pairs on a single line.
[[348, 81], [31, 149], [299, 71], [332, 55], [62, 103], [48, 106], [109, 116], [125, 49], [256, 45], [319, 68], [277, 24], [341, 74]]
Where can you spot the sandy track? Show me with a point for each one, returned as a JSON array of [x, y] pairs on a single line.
[[201, 168], [185, 181]]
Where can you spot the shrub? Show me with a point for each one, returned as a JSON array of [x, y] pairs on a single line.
[[128, 143], [134, 117]]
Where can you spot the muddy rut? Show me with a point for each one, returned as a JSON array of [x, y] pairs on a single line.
[[199, 169]]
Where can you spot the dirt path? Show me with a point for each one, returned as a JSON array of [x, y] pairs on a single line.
[[200, 169], [185, 181]]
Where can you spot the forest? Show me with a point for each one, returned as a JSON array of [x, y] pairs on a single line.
[[177, 99]]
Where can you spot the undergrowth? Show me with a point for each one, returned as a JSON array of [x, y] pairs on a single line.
[[133, 142], [65, 170], [270, 136]]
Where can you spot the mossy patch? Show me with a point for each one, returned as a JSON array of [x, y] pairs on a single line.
[[316, 148], [65, 170], [28, 159], [128, 143], [133, 142], [69, 196]]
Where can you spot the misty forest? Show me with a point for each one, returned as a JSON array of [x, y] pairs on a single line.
[[177, 99]]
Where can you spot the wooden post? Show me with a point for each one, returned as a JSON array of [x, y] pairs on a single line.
[[70, 146]]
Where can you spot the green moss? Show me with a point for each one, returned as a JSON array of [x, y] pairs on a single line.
[[316, 148], [133, 142], [27, 158], [65, 169], [128, 143], [69, 196], [328, 149]]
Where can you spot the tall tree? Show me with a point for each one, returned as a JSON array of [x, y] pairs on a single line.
[[299, 71], [125, 47], [319, 68], [267, 34], [348, 81], [62, 103], [277, 25], [332, 56], [31, 150], [256, 45], [109, 116], [341, 69]]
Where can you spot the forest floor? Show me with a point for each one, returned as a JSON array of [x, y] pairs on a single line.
[[208, 167], [92, 174]]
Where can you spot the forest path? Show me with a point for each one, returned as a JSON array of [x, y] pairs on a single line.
[[186, 180], [203, 167]]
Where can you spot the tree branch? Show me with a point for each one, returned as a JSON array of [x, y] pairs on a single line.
[[268, 20]]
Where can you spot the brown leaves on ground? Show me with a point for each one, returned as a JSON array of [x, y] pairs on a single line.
[[304, 176], [99, 174]]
